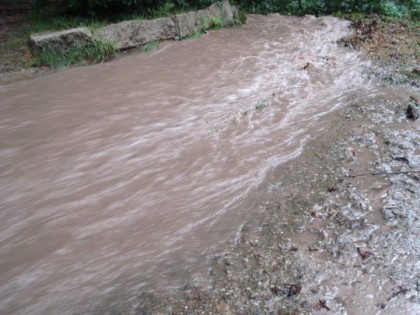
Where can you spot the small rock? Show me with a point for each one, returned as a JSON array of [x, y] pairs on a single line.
[[413, 98], [61, 41], [294, 290], [331, 189], [364, 252], [399, 291], [323, 233], [222, 307], [294, 248], [413, 108], [401, 159], [317, 214], [351, 152], [306, 304], [412, 111]]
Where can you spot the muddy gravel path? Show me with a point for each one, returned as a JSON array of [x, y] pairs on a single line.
[[339, 228], [333, 238]]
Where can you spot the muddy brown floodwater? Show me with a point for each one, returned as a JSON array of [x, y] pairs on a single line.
[[125, 177]]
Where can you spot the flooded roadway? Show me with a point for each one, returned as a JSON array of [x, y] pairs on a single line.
[[124, 177]]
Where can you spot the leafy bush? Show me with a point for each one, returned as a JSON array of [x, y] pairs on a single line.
[[216, 22], [399, 8], [149, 8], [111, 7]]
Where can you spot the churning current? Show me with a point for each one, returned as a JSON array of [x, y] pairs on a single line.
[[121, 177]]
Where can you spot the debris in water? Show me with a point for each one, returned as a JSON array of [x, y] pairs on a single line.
[[381, 305], [331, 189], [276, 290], [289, 289], [294, 290], [322, 304], [294, 248], [332, 213], [401, 290], [364, 252], [401, 159], [317, 214]]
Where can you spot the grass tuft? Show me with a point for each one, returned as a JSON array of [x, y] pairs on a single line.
[[260, 105], [150, 46], [94, 53], [41, 22], [216, 22]]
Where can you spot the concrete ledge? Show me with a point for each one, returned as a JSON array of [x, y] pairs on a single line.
[[64, 40], [134, 33]]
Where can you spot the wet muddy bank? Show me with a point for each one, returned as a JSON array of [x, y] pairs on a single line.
[[333, 238], [391, 43]]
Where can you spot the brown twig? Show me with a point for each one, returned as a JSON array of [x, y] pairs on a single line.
[[381, 173]]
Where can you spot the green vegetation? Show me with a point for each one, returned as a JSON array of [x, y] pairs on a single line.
[[150, 46], [398, 8], [205, 23], [196, 35], [94, 53], [82, 12], [97, 13], [260, 105], [113, 8], [216, 22], [48, 21]]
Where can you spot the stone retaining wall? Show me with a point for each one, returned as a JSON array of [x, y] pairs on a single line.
[[135, 33]]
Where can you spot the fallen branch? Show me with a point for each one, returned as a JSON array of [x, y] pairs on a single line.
[[382, 173]]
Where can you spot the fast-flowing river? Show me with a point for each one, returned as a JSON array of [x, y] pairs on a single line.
[[123, 177]]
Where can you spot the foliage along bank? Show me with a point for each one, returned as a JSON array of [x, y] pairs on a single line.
[[155, 8], [400, 8]]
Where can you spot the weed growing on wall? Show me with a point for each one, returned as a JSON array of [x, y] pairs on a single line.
[[94, 53], [150, 46]]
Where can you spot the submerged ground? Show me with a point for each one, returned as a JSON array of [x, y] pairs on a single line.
[[337, 231]]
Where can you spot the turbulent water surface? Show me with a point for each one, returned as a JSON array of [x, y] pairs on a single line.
[[124, 177]]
